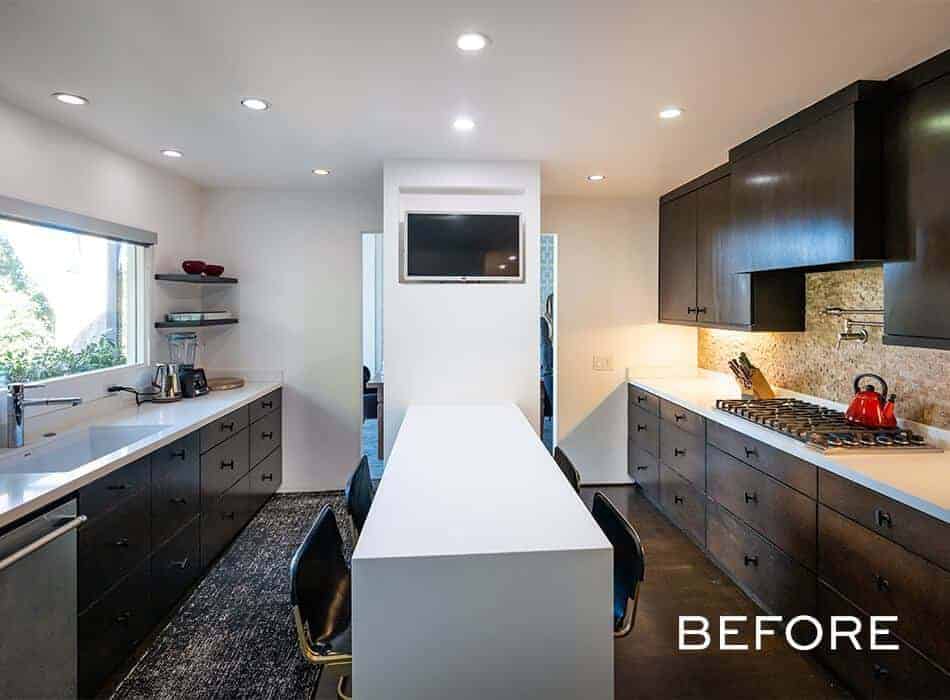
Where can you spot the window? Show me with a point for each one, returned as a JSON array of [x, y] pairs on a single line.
[[373, 303], [69, 302]]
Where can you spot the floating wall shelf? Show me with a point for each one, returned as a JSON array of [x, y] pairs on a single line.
[[195, 279], [196, 324]]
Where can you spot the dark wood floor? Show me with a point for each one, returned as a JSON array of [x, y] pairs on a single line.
[[680, 580]]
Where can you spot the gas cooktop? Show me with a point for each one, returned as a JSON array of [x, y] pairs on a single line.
[[822, 428]]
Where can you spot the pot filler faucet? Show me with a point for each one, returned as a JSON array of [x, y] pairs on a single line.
[[15, 402]]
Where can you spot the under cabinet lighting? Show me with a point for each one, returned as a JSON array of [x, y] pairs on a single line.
[[320, 171], [596, 178], [671, 113], [172, 153], [69, 99]]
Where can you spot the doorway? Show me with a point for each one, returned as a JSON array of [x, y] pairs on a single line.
[[372, 352], [547, 299]]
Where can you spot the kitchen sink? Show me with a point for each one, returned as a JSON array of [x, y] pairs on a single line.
[[74, 449]]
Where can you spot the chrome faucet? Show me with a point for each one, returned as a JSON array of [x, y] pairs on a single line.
[[13, 410]]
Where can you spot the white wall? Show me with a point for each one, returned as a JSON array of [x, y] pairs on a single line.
[[460, 342], [47, 164], [606, 305], [298, 256]]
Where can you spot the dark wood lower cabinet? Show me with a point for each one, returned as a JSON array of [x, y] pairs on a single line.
[[684, 505], [773, 579], [684, 452], [155, 525], [644, 469]]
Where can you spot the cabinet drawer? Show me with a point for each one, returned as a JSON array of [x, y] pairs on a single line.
[[265, 405], [644, 430], [783, 515], [916, 531], [798, 474], [223, 428], [175, 487], [175, 567], [883, 578], [111, 547], [851, 665], [644, 400], [683, 419], [264, 479], [110, 630], [645, 470], [264, 436], [770, 576], [222, 519], [222, 466], [685, 452], [683, 504], [113, 489]]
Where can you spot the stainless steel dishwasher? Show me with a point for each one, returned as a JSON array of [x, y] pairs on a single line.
[[38, 599]]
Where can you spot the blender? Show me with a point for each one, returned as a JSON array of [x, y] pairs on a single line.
[[183, 352]]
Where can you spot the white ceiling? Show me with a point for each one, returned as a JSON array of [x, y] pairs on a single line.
[[575, 84]]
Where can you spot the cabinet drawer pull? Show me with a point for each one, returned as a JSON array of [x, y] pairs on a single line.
[[119, 487], [180, 454], [178, 501], [121, 543], [183, 564], [677, 499], [227, 465], [227, 426], [883, 518], [750, 452], [229, 516], [679, 416], [677, 452], [750, 560], [124, 616], [882, 583], [267, 477], [880, 672], [692, 310], [641, 428], [751, 497], [267, 436], [642, 467], [701, 310], [267, 404], [641, 399]]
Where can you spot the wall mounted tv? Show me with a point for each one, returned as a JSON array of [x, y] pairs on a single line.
[[462, 247]]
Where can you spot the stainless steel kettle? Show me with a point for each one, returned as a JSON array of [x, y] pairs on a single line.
[[167, 383]]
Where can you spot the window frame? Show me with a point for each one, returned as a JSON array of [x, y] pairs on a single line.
[[93, 384]]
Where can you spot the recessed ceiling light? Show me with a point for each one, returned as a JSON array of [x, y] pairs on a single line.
[[671, 113], [320, 171], [596, 178], [70, 99], [172, 153], [463, 124], [255, 103], [472, 42]]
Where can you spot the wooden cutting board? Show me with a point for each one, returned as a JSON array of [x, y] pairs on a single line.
[[225, 383]]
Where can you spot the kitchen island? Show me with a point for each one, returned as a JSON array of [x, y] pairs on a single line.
[[479, 572]]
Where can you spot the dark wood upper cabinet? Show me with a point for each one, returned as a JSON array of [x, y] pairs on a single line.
[[699, 259], [678, 259], [806, 193], [917, 185]]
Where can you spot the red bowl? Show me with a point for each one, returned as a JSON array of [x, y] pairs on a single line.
[[214, 270], [193, 267]]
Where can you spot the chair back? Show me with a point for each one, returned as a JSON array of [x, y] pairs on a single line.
[[567, 467], [628, 558], [359, 493], [320, 582]]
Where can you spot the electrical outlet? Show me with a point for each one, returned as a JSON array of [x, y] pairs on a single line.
[[603, 363]]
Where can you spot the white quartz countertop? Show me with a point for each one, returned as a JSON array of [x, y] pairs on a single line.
[[470, 480], [921, 481], [24, 493]]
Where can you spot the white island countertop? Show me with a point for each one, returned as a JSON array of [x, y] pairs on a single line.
[[921, 480], [25, 493]]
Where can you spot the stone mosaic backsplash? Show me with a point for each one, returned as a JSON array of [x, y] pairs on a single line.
[[808, 362]]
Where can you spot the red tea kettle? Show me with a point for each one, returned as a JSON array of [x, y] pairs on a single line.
[[868, 407]]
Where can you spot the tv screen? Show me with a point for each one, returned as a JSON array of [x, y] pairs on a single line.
[[443, 247]]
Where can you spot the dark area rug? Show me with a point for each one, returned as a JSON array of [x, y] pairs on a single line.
[[234, 636]]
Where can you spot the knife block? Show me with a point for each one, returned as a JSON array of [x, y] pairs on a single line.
[[761, 389]]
